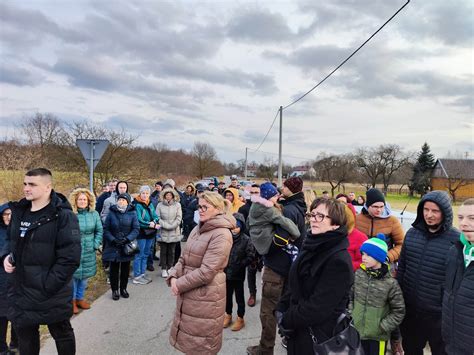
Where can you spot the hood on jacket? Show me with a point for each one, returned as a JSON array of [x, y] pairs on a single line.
[[443, 201], [2, 209], [193, 189], [165, 191], [58, 200], [221, 220], [130, 207], [234, 192], [73, 198]]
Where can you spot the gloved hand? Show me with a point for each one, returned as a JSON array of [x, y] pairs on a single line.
[[120, 242], [284, 332]]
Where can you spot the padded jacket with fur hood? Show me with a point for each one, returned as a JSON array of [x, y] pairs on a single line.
[[201, 282], [170, 216]]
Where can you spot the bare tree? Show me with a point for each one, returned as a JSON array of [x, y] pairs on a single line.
[[205, 160], [334, 169], [370, 163], [393, 159], [267, 169]]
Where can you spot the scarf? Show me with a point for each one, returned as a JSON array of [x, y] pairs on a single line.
[[468, 250], [139, 199], [122, 209], [317, 248]]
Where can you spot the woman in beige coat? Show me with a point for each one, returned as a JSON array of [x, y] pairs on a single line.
[[198, 280]]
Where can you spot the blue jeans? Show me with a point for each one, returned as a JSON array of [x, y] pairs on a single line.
[[79, 288], [139, 263]]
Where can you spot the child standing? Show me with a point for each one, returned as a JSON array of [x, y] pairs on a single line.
[[241, 255], [377, 301]]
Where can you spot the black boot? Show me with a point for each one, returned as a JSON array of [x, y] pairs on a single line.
[[124, 293], [115, 295]]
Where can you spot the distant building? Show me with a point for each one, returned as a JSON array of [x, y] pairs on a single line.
[[252, 170], [455, 176], [300, 170]]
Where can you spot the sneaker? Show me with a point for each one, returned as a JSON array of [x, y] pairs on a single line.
[[108, 280], [139, 280], [150, 268], [164, 274], [284, 342], [146, 277]]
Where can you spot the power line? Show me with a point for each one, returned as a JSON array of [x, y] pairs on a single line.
[[268, 132], [288, 156], [349, 57]]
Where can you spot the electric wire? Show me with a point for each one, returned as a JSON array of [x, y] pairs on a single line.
[[268, 132], [349, 57]]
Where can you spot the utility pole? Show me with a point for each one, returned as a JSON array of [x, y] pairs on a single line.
[[246, 154], [280, 161]]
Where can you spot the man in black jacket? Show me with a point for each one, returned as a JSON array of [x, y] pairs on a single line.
[[422, 270], [42, 251]]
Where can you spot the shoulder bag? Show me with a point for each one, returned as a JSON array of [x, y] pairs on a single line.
[[346, 342]]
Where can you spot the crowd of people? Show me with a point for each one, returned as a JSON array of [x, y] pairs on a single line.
[[325, 269]]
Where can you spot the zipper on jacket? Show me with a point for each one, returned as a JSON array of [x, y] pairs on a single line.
[[420, 265]]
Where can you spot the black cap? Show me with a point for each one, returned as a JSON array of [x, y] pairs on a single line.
[[125, 197], [373, 196]]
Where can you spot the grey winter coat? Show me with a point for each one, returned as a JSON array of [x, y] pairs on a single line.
[[170, 216]]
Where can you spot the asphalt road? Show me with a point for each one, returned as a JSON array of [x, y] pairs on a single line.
[[141, 324]]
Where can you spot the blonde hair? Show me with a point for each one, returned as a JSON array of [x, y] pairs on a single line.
[[75, 194], [217, 201]]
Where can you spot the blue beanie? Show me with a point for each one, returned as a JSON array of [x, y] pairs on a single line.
[[376, 247], [267, 190]]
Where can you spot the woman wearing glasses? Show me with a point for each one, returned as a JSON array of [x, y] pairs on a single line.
[[319, 281], [198, 279]]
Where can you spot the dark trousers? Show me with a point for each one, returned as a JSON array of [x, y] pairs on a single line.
[[419, 328], [272, 289], [374, 347], [3, 335], [252, 279], [119, 271], [149, 261], [238, 287], [167, 252], [177, 253], [62, 333]]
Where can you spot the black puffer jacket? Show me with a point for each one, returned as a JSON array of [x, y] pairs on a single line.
[[421, 267], [458, 305], [40, 291], [294, 208], [241, 254]]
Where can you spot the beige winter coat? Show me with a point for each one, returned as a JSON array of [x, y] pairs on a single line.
[[200, 306], [170, 216]]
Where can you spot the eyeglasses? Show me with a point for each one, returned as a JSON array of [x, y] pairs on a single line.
[[319, 217], [202, 208], [254, 192]]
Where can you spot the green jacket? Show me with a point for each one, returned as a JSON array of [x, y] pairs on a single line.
[[91, 239], [376, 303], [262, 223]]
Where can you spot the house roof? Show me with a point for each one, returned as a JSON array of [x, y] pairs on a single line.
[[454, 168]]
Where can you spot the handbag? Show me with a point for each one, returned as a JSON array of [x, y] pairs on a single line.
[[346, 342], [149, 232], [131, 248]]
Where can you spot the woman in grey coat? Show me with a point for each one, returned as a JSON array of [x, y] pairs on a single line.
[[170, 216]]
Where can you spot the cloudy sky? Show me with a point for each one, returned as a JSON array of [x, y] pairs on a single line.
[[176, 72]]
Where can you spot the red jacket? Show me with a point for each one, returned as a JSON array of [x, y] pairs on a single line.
[[356, 238]]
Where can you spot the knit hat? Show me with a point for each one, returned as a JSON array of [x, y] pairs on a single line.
[[376, 247], [295, 184], [373, 196], [267, 190], [125, 197]]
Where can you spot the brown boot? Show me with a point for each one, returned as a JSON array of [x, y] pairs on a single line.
[[75, 310], [251, 301], [238, 324], [83, 304], [227, 320]]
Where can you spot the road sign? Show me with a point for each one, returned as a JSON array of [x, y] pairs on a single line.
[[92, 150]]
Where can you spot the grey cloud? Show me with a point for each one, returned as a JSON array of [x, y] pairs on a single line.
[[236, 106], [130, 122], [15, 75], [196, 132]]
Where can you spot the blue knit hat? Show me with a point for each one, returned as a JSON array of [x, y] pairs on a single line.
[[376, 247], [267, 190]]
